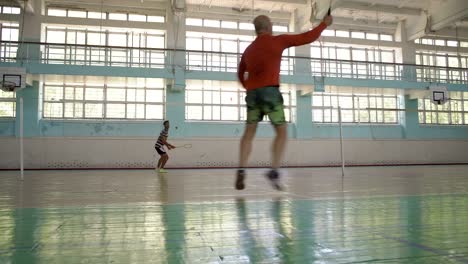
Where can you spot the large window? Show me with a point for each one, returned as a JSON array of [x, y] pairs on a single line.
[[9, 31], [356, 107], [451, 67], [439, 42], [357, 35], [225, 101], [7, 104], [221, 44], [10, 10], [120, 52], [453, 112], [217, 23], [223, 52], [123, 16], [104, 98], [356, 64]]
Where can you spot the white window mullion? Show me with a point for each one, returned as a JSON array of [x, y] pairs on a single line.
[[449, 111], [104, 103], [63, 100], [382, 117], [368, 110], [144, 108], [323, 110], [238, 98], [125, 99]]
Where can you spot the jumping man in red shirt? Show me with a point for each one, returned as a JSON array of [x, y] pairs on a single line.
[[258, 72]]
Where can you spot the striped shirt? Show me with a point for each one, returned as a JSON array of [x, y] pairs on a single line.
[[163, 135]]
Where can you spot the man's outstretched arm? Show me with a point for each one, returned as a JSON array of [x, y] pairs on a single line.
[[306, 37]]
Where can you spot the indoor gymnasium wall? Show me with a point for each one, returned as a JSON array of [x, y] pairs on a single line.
[[54, 143], [108, 152], [129, 144]]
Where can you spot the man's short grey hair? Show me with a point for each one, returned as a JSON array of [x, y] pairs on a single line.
[[261, 23]]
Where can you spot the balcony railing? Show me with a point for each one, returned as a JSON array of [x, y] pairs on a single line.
[[137, 57]]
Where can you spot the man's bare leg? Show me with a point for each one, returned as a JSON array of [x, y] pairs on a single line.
[[160, 162], [245, 150], [246, 144], [279, 144], [163, 163], [277, 150]]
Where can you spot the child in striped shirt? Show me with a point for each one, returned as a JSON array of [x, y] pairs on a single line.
[[159, 146]]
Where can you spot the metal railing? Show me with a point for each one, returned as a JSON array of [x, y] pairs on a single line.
[[86, 55], [357, 69], [194, 60]]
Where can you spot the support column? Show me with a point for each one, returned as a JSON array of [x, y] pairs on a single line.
[[302, 66], [411, 118], [31, 110], [304, 116], [175, 62], [408, 52], [408, 55], [31, 28], [303, 95]]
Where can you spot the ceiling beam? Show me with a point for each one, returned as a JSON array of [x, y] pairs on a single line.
[[438, 20], [451, 33], [217, 12], [26, 5], [389, 9], [448, 13], [349, 22]]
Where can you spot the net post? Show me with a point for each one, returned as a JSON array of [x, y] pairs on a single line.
[[21, 139], [341, 142]]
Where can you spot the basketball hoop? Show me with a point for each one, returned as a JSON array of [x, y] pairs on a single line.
[[7, 86], [439, 95]]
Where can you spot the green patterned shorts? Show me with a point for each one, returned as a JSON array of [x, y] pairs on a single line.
[[265, 101]]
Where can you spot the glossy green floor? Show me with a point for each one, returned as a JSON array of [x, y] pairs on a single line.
[[195, 217]]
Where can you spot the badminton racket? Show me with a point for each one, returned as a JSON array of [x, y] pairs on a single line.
[[187, 146]]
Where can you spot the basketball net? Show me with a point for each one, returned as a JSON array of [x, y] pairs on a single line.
[[7, 86]]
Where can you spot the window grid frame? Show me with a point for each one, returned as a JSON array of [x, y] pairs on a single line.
[[8, 100], [355, 109], [104, 102], [287, 64], [241, 105], [8, 6], [379, 34], [105, 14], [435, 111], [8, 51], [439, 72], [428, 41], [233, 21], [70, 55], [373, 69]]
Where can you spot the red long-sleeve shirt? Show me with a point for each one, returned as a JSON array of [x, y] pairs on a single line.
[[262, 58]]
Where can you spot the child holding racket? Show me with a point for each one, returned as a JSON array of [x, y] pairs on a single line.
[[159, 146]]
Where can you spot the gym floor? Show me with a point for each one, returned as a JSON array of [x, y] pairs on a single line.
[[411, 214]]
